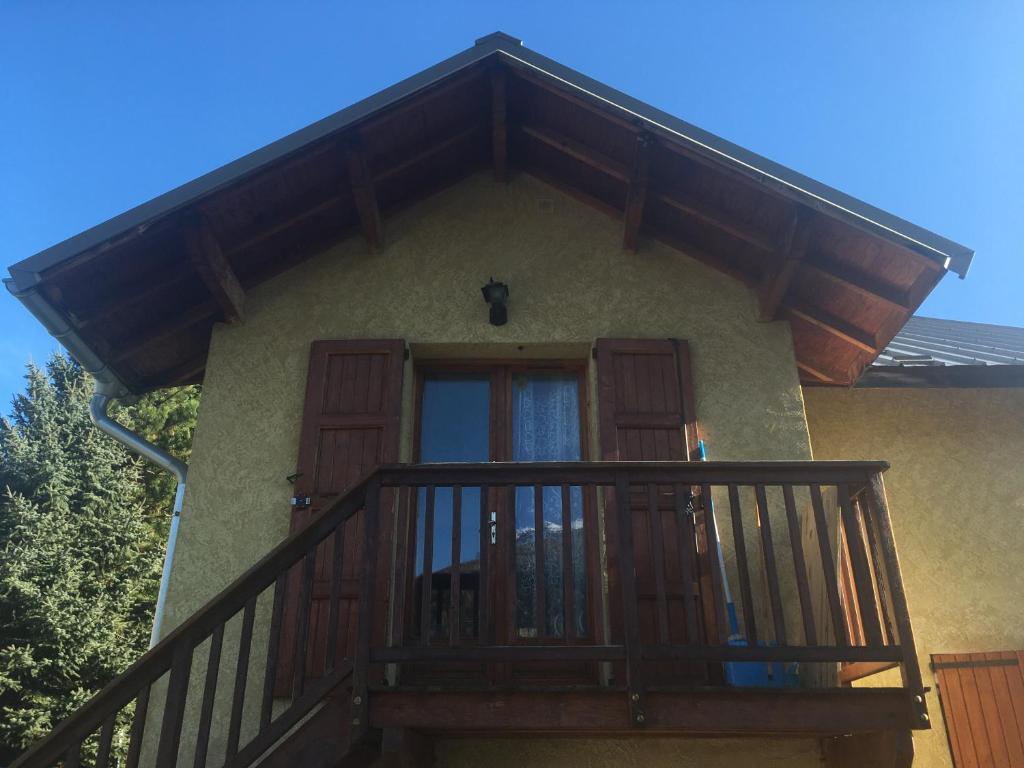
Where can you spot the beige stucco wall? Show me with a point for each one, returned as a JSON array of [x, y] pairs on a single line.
[[956, 496], [570, 282]]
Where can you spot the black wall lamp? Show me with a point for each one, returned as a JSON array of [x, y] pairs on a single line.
[[496, 295]]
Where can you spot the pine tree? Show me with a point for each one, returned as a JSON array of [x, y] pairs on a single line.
[[82, 534]]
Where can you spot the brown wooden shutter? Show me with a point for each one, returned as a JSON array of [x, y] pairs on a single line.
[[647, 414], [350, 425], [982, 697]]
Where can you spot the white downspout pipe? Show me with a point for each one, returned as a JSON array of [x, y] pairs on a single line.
[[98, 413], [109, 387]]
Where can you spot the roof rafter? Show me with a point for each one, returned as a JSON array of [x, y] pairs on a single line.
[[824, 378], [579, 151], [836, 327], [859, 282], [163, 329]]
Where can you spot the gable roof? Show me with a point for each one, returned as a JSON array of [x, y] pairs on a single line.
[[930, 352], [135, 298]]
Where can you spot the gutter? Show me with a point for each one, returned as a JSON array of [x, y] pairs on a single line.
[[108, 387]]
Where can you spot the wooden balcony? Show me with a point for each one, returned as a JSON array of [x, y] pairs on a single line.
[[597, 598]]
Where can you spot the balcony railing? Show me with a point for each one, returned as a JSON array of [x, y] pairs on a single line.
[[627, 576]]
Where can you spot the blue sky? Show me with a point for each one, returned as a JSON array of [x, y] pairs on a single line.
[[915, 107]]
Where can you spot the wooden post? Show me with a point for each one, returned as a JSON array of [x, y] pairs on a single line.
[[361, 666], [910, 670], [630, 616], [174, 707]]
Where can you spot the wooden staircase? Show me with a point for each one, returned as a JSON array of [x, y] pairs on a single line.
[[215, 670]]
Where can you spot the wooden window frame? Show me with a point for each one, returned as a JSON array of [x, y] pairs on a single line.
[[500, 432]]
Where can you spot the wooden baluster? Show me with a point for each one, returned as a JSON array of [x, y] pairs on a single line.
[[687, 563], [402, 571], [364, 631], [73, 756], [861, 573], [428, 568], [507, 540], [483, 622], [717, 585], [910, 670], [301, 649], [771, 570], [174, 706], [455, 585], [656, 535], [568, 582], [106, 739], [210, 695], [800, 566], [138, 727], [273, 650], [241, 677], [334, 611], [740, 545], [630, 617], [539, 576], [828, 566], [592, 570]]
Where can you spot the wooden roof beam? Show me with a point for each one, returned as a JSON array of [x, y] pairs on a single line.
[[499, 126], [213, 267], [364, 195], [841, 329], [636, 195], [179, 375], [580, 151], [824, 378], [163, 329], [432, 151], [695, 212], [859, 282], [776, 280]]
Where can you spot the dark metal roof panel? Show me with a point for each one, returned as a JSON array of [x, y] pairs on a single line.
[[929, 341]]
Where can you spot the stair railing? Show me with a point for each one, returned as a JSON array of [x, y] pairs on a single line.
[[87, 737]]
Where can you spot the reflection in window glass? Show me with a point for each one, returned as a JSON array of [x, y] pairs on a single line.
[[454, 427]]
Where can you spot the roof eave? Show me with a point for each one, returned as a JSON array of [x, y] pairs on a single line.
[[952, 256]]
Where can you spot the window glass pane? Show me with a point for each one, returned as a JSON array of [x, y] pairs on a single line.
[[454, 426], [546, 427], [455, 419]]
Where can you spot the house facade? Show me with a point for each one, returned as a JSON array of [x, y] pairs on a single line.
[[642, 506]]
